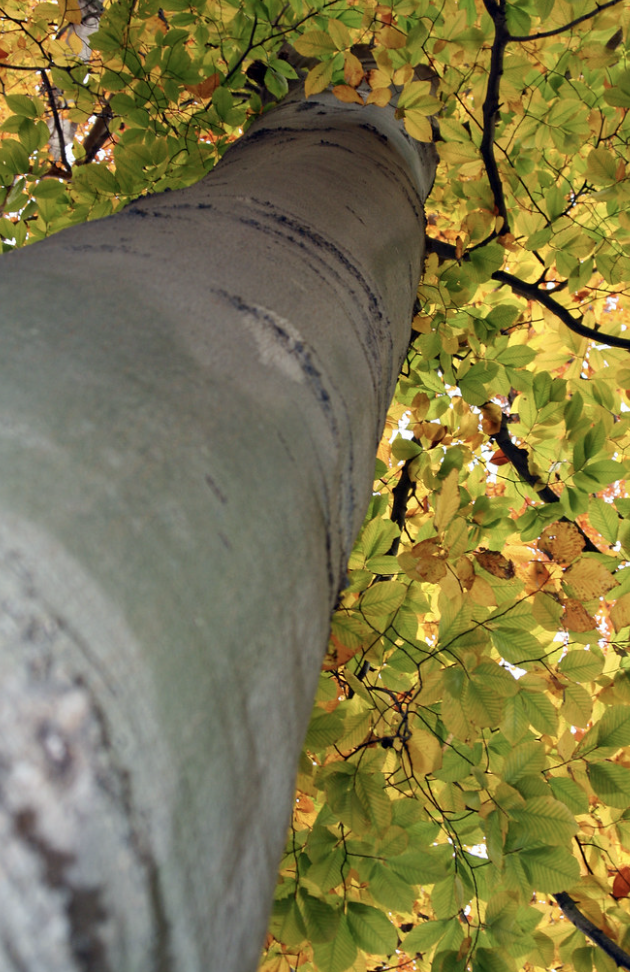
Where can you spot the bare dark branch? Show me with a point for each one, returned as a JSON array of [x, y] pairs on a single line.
[[491, 108], [519, 459], [544, 297], [571, 911], [52, 101]]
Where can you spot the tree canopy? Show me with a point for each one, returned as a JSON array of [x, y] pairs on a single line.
[[463, 794]]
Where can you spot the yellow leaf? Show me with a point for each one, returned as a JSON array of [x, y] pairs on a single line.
[[447, 503], [425, 752], [457, 153], [343, 92], [378, 79], [314, 43], [70, 12], [418, 126], [339, 34], [74, 43], [352, 69], [563, 542], [588, 579], [318, 78], [404, 74], [379, 96], [620, 612], [391, 37]]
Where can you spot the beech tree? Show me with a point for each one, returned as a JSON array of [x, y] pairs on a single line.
[[192, 393]]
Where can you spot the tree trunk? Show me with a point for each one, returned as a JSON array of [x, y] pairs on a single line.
[[191, 394]]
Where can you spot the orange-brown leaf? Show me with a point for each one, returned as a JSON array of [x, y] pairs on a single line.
[[621, 884], [499, 458], [338, 654], [391, 37], [379, 96], [495, 563], [206, 88], [492, 416], [352, 69], [347, 94], [576, 617]]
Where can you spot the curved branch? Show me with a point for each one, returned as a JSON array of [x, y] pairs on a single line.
[[491, 107], [561, 30], [519, 459], [571, 911], [533, 292]]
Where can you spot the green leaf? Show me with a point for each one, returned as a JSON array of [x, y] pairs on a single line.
[[551, 868], [569, 793], [314, 43], [378, 536], [541, 711], [516, 644], [286, 922], [604, 519], [418, 867], [601, 167], [611, 783], [327, 874], [390, 890], [516, 357], [577, 706], [320, 918], [424, 936], [324, 729], [581, 666], [596, 475], [338, 954], [491, 960], [384, 565], [26, 105], [371, 929], [382, 599], [613, 729], [525, 760], [544, 819], [444, 899]]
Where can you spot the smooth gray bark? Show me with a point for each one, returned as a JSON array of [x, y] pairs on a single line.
[[191, 394]]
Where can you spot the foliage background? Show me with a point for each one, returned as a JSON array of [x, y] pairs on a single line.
[[466, 776]]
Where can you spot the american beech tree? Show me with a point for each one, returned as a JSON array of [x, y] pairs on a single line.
[[192, 395]]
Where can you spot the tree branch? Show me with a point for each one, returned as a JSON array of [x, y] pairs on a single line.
[[56, 121], [561, 30], [519, 458], [491, 108], [97, 136], [571, 911], [533, 292]]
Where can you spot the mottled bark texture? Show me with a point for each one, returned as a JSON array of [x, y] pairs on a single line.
[[191, 394]]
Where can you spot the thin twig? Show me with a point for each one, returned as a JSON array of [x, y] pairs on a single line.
[[561, 30]]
